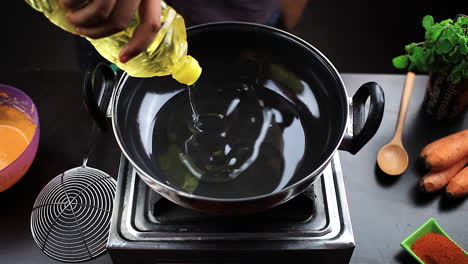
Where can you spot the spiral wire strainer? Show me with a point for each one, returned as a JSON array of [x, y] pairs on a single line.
[[70, 219], [71, 216]]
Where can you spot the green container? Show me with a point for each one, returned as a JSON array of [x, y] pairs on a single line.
[[430, 226]]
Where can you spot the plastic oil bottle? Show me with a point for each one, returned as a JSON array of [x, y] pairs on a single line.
[[167, 54]]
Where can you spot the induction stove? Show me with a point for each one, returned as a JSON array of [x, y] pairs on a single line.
[[314, 226]]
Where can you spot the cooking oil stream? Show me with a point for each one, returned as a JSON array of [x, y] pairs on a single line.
[[195, 115]]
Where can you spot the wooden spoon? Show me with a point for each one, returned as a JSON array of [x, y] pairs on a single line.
[[393, 158]]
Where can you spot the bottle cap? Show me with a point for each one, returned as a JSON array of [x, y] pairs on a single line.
[[189, 72]]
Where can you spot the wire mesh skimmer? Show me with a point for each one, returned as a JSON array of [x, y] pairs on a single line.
[[71, 216]]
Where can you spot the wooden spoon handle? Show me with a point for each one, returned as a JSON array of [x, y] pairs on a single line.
[[405, 99]]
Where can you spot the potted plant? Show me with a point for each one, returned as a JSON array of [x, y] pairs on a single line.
[[444, 55]]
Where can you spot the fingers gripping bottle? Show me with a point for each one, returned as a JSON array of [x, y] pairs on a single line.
[[167, 54]]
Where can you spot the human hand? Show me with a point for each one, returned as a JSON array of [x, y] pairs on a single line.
[[292, 12], [102, 18]]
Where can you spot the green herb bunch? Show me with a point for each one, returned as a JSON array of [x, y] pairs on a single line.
[[445, 49]]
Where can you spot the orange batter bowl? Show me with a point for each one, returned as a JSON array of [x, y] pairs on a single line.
[[19, 135]]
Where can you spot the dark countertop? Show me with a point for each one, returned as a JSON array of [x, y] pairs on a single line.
[[384, 210]]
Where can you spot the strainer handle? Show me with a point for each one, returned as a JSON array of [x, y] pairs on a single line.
[[98, 84]]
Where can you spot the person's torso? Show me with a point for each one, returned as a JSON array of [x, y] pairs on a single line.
[[197, 12]]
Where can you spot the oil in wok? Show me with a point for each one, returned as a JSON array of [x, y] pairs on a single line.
[[233, 140]]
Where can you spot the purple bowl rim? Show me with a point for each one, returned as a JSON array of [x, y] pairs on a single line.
[[35, 116]]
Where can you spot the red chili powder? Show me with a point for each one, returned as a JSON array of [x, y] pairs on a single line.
[[434, 248]]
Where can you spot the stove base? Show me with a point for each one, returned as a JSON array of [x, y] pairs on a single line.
[[314, 226], [331, 256]]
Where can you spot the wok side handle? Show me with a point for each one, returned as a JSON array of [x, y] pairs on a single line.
[[362, 129], [97, 88]]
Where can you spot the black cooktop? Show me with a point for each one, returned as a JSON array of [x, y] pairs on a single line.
[[147, 228]]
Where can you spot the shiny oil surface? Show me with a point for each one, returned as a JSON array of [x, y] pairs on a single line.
[[248, 141]]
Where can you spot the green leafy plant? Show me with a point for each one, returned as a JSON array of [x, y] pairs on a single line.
[[445, 49]]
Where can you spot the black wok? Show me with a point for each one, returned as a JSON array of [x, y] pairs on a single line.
[[229, 51]]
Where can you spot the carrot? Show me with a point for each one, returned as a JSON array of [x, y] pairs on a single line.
[[436, 180], [448, 153], [435, 144], [458, 186]]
